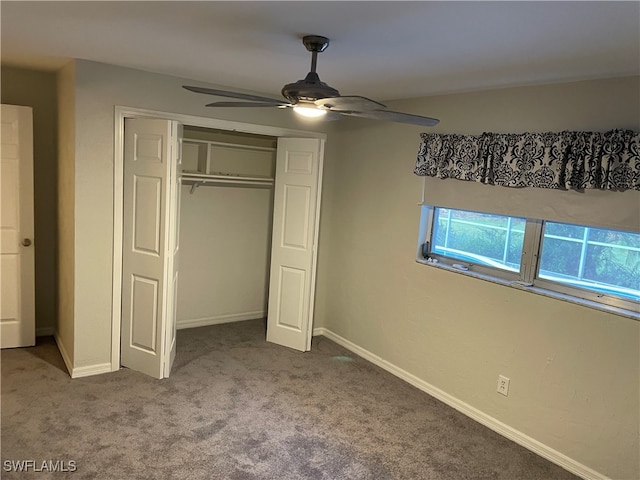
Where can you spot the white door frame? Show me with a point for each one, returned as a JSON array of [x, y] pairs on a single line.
[[122, 112]]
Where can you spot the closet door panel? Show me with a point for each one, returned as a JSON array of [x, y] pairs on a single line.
[[147, 282], [293, 255], [290, 308], [295, 224], [144, 314], [147, 208]]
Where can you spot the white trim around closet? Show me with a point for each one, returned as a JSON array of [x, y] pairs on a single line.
[[122, 112]]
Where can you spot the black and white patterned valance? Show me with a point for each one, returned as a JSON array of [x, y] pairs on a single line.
[[564, 160]]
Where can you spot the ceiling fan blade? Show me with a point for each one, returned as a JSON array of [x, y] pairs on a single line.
[[240, 96], [390, 116], [248, 104], [331, 117], [351, 103]]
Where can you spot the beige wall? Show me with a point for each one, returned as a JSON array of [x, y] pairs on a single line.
[[99, 88], [38, 90], [225, 238], [574, 371], [66, 211]]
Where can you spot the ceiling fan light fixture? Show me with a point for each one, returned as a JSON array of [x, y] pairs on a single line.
[[309, 110]]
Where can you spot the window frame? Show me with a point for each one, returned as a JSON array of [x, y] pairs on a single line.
[[527, 278]]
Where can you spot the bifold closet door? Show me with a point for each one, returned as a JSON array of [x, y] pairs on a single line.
[[151, 180], [293, 248]]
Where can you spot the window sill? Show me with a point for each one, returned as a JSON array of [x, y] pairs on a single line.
[[634, 315]]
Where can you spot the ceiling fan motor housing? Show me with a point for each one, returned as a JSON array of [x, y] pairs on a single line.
[[310, 89]]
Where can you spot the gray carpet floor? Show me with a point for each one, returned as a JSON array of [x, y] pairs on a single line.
[[239, 408]]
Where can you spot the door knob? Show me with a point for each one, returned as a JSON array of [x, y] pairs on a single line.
[[26, 242]]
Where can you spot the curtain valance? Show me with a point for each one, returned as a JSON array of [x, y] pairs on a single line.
[[562, 160]]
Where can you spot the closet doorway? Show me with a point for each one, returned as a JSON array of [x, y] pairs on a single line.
[[243, 199], [226, 217]]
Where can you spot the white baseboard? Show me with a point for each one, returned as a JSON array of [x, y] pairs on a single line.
[[89, 370], [45, 331], [488, 421], [65, 356], [218, 319]]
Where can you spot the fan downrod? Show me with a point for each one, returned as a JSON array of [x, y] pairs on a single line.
[[315, 43]]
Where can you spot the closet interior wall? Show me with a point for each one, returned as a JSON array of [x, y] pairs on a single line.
[[225, 226]]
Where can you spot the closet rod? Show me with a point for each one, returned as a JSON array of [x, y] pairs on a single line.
[[225, 180]]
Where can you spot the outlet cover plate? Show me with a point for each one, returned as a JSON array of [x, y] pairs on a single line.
[[503, 385]]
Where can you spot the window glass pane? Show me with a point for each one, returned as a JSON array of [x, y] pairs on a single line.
[[481, 238], [605, 261], [560, 257], [564, 230]]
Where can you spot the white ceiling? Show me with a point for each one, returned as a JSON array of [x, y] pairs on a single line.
[[383, 50]]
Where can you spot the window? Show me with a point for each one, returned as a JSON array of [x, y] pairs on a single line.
[[585, 262], [482, 238], [605, 261]]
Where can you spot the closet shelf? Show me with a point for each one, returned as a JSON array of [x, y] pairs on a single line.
[[197, 179], [237, 146]]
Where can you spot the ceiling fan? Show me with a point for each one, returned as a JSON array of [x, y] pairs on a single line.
[[311, 97]]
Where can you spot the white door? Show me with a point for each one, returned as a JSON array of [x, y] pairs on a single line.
[[293, 248], [17, 302], [150, 175]]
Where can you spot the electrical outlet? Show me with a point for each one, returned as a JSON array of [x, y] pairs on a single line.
[[503, 385]]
